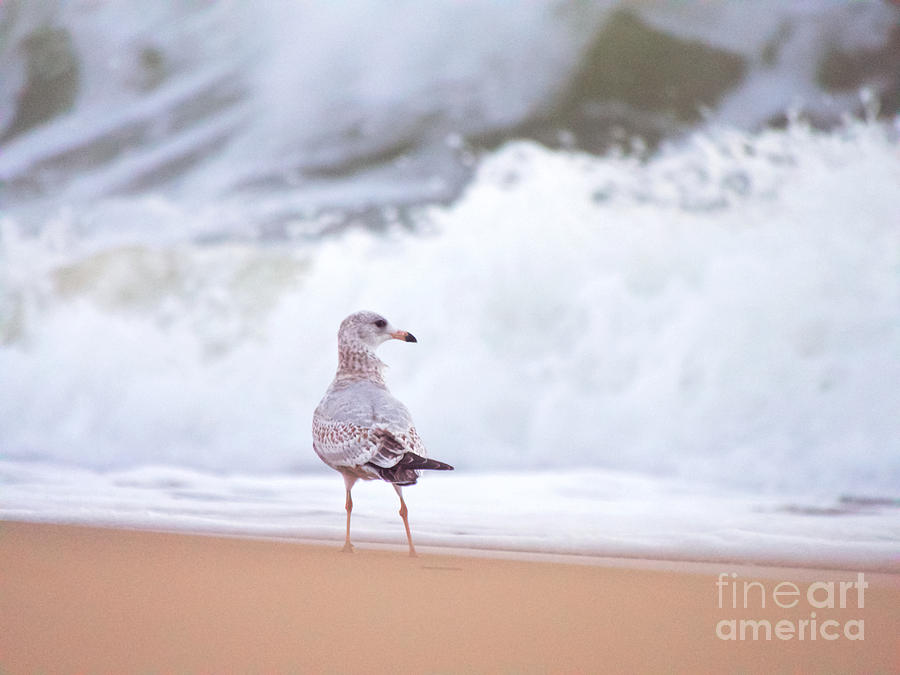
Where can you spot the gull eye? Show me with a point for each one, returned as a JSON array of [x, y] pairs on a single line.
[[381, 323]]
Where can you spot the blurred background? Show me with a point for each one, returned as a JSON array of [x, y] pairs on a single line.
[[654, 236]]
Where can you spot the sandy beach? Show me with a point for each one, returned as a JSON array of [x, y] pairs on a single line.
[[88, 600]]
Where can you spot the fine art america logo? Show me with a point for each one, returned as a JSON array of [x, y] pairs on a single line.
[[749, 596]]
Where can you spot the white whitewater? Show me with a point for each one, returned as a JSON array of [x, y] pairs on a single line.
[[695, 351], [728, 310]]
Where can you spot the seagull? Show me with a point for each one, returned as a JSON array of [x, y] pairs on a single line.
[[359, 429]]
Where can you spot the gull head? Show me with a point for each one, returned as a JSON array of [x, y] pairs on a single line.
[[370, 329]]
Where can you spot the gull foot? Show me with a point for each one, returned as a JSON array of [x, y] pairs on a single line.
[[348, 548]]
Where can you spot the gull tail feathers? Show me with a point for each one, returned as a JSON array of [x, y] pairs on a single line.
[[405, 472]]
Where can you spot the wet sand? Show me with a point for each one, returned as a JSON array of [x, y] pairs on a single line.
[[88, 600]]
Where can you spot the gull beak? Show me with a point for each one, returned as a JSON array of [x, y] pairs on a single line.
[[403, 335]]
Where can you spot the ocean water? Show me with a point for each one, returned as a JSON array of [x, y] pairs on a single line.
[[591, 512], [685, 345], [727, 310]]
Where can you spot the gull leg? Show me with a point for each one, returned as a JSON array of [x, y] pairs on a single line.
[[348, 505], [403, 512]]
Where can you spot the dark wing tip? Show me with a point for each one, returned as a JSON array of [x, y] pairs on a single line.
[[413, 461], [404, 471]]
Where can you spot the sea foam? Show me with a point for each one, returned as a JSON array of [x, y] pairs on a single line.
[[729, 309]]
